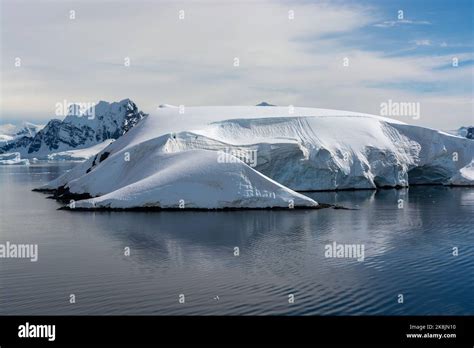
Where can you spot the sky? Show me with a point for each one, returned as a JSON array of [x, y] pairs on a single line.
[[346, 55]]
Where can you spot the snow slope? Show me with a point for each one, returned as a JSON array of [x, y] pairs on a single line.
[[81, 154], [190, 179], [300, 148]]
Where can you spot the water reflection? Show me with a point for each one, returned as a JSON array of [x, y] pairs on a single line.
[[408, 249]]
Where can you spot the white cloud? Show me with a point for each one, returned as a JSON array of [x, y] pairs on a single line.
[[424, 42], [390, 24]]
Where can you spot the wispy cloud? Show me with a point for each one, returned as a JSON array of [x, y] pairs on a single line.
[[424, 42], [390, 24]]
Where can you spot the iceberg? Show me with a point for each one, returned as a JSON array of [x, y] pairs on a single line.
[[13, 158]]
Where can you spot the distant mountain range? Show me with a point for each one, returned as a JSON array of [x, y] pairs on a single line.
[[76, 131], [11, 132]]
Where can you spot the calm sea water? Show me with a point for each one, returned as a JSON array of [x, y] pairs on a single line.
[[407, 251]]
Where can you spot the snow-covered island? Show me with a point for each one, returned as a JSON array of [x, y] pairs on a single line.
[[258, 157]]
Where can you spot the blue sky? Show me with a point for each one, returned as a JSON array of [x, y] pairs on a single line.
[[282, 61], [448, 27]]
